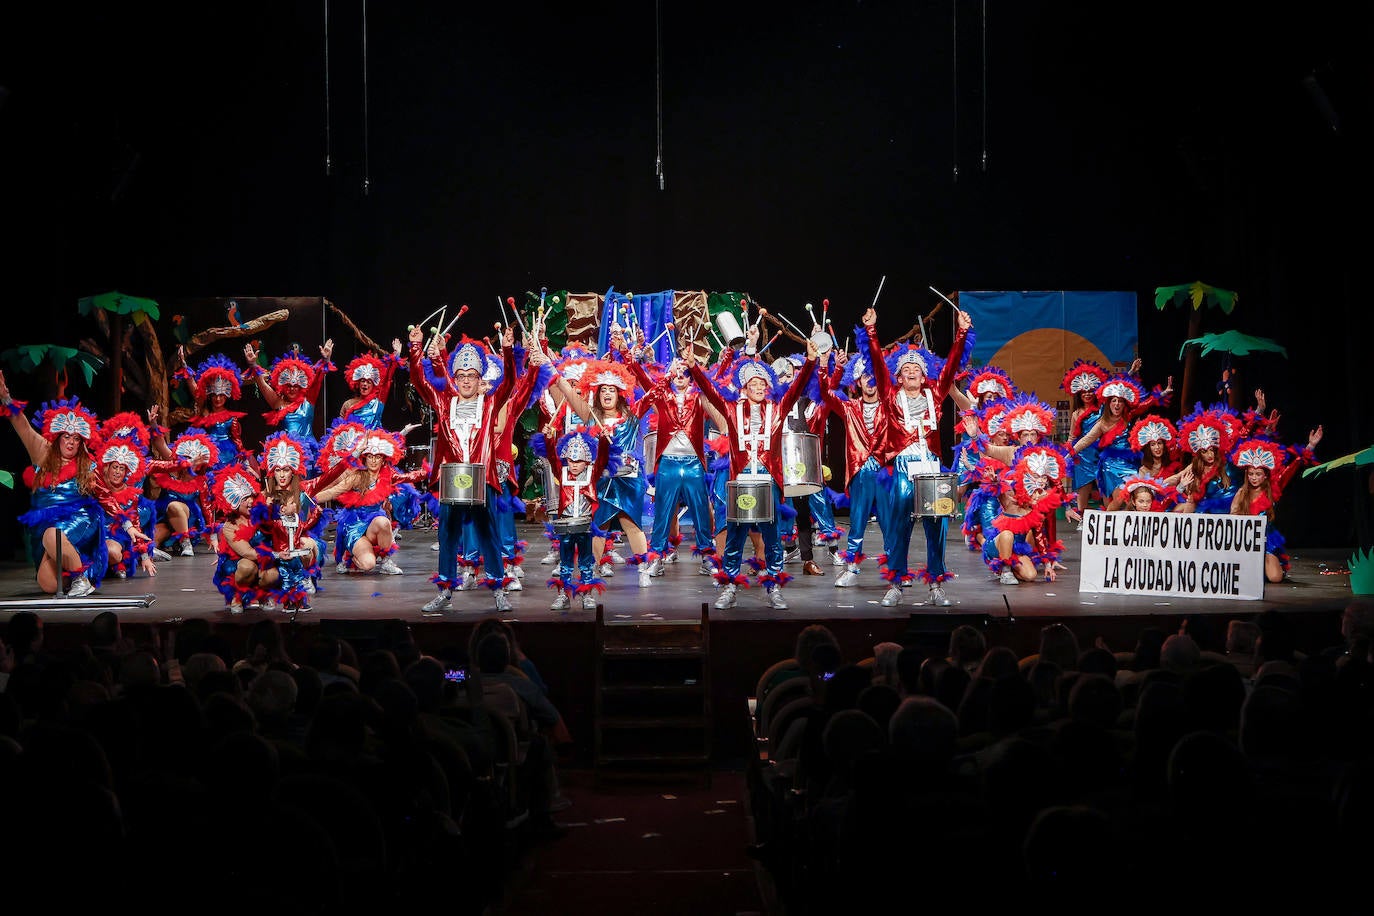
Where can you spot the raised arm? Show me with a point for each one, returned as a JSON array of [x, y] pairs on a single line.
[[33, 440], [269, 394]]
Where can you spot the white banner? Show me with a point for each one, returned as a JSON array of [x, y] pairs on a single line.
[[1167, 553]]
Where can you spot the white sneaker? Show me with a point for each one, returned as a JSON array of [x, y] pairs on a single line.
[[515, 586], [502, 601], [341, 569], [436, 605], [938, 596], [434, 547], [707, 568], [893, 597], [606, 571], [671, 557], [836, 559], [121, 574], [848, 579], [519, 572], [656, 567], [1007, 578], [589, 601], [467, 583], [268, 605], [80, 587], [615, 557], [159, 555], [187, 549], [549, 559], [644, 578], [775, 599], [235, 607], [310, 586], [388, 567], [792, 556], [561, 603], [727, 597]]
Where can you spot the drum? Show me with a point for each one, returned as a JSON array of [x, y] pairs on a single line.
[[824, 343], [575, 524], [749, 501], [416, 456], [462, 484], [549, 482], [730, 331], [801, 464], [935, 494]]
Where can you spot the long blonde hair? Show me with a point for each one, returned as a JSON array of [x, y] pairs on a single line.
[[52, 466]]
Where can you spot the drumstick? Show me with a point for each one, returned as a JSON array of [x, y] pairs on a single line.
[[775, 336], [427, 317], [450, 325], [791, 325], [829, 327], [879, 292], [510, 300], [435, 329], [825, 311], [502, 306]]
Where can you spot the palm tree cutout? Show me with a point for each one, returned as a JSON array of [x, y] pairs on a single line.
[[31, 358], [1232, 343], [110, 310], [1198, 295]]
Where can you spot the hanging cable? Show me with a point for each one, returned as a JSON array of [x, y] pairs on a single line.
[[985, 85], [366, 173], [328, 148], [954, 55], [658, 82]]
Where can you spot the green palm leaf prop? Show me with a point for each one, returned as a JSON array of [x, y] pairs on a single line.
[[1235, 343], [119, 304], [1196, 294]]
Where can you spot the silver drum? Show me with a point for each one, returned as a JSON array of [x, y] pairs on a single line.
[[802, 474], [935, 495], [462, 484], [749, 502], [577, 524]]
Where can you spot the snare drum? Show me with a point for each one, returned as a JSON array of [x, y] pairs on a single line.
[[462, 484], [749, 502], [575, 524], [935, 494], [801, 464]]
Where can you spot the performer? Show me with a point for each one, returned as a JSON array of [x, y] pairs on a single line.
[[1268, 469], [865, 436], [291, 388], [754, 427], [65, 526], [1206, 484], [555, 419], [808, 415], [1153, 438], [914, 406], [129, 514], [183, 503], [363, 532], [577, 461], [239, 573], [285, 460], [370, 377], [464, 431], [1081, 383], [288, 548], [215, 381], [620, 497], [1143, 493], [1030, 494], [679, 460]]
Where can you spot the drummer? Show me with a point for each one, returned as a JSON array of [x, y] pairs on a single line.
[[605, 397], [914, 407], [754, 425], [464, 425], [576, 462], [807, 415]]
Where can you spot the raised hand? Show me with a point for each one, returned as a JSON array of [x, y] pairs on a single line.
[[416, 334], [395, 346], [870, 319], [964, 320], [1314, 438], [327, 348], [249, 353]]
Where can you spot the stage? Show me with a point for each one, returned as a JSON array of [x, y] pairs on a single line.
[[744, 640]]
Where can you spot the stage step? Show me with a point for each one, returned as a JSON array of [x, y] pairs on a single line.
[[653, 698]]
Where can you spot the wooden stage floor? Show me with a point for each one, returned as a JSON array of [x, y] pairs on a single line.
[[183, 590]]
